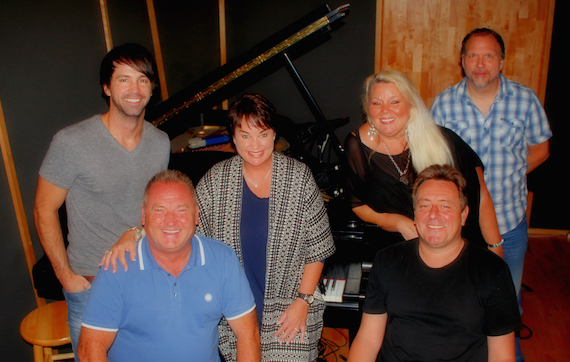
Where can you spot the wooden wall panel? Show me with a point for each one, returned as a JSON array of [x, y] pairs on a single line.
[[422, 38]]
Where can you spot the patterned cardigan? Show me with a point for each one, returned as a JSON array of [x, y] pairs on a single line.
[[299, 234]]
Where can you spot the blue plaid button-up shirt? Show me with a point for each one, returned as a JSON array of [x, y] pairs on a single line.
[[515, 120]]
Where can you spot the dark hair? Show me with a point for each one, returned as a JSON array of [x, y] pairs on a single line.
[[484, 32], [442, 173], [257, 111], [135, 56], [170, 176]]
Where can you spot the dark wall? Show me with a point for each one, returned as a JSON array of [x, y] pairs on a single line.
[[550, 181], [49, 55], [49, 58]]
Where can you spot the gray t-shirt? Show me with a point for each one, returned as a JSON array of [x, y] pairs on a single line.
[[105, 184]]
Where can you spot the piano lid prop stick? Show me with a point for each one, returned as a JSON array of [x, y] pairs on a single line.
[[223, 47], [334, 15]]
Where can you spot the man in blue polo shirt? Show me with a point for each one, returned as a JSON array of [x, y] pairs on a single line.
[[167, 305]]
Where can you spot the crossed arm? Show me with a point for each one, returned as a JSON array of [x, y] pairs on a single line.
[[537, 154], [391, 222]]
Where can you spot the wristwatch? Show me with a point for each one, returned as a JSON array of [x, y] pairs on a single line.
[[307, 298], [140, 233]]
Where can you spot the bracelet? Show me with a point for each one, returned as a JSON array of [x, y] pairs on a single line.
[[140, 233], [497, 244]]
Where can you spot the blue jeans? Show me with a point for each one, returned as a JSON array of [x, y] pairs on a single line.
[[514, 251], [76, 304]]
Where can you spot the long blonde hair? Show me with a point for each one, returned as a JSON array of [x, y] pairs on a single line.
[[427, 144]]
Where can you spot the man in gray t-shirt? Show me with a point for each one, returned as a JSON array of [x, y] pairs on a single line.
[[99, 167]]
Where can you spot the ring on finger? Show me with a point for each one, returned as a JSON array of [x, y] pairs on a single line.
[[296, 330]]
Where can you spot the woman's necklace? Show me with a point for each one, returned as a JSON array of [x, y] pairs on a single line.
[[256, 185], [403, 179]]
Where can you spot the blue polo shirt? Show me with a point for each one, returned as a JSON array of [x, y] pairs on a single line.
[[158, 317]]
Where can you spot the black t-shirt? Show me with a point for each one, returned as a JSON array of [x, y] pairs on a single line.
[[442, 314], [374, 181]]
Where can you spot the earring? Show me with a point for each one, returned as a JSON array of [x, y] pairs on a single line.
[[372, 132]]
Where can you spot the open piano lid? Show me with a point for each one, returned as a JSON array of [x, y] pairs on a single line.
[[175, 114]]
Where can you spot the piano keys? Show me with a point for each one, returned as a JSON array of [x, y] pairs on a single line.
[[334, 289], [344, 309], [343, 280]]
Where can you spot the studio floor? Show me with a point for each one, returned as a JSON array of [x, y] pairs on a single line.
[[547, 306]]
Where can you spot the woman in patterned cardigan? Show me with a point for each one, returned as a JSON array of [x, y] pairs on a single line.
[[269, 209]]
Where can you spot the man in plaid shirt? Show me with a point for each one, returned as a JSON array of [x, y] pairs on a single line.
[[505, 124]]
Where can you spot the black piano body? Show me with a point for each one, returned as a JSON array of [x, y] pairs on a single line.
[[357, 243]]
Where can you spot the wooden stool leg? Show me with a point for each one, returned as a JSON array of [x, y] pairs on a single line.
[[38, 353], [48, 354]]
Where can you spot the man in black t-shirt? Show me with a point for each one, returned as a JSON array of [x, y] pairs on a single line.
[[438, 298]]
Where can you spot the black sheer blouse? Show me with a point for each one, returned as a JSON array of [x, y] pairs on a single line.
[[374, 181]]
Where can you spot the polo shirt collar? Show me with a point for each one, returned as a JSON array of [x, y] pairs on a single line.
[[146, 260]]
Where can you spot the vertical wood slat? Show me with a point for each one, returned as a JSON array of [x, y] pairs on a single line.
[[423, 39], [157, 50], [17, 201], [223, 47], [106, 24], [546, 51], [378, 36]]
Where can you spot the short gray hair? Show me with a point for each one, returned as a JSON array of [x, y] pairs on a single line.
[[170, 176]]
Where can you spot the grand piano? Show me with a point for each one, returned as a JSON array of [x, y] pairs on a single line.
[[176, 114], [193, 107]]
